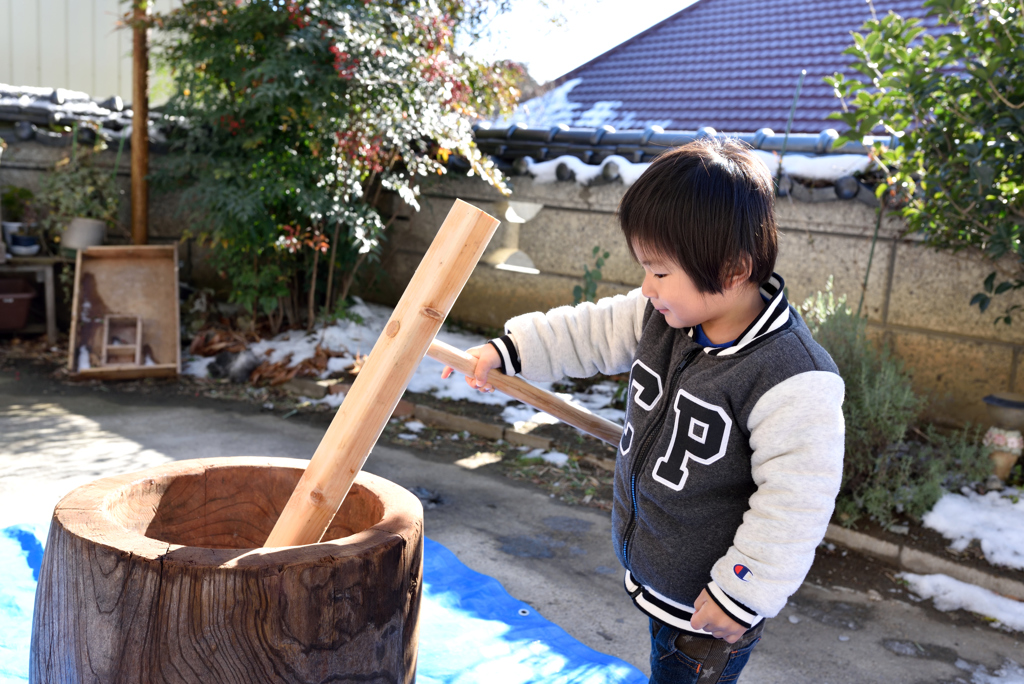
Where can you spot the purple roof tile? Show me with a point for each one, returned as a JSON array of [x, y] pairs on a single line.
[[729, 64]]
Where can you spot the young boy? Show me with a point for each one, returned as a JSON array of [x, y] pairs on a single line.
[[731, 456]]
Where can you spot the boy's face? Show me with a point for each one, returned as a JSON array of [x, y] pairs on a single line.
[[674, 294]]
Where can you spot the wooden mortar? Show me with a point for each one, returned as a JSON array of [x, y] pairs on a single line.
[[160, 576]]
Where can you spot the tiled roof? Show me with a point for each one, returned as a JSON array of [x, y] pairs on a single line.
[[593, 145], [32, 112], [729, 64]]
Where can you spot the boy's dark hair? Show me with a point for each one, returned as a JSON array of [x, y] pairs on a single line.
[[710, 206]]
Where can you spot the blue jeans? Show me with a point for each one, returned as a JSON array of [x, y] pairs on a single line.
[[677, 658]]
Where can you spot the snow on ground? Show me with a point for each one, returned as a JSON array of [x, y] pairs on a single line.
[[952, 594], [1009, 673], [351, 338], [995, 519]]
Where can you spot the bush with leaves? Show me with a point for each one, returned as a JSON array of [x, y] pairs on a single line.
[[76, 187], [953, 91], [885, 474], [296, 116], [587, 292]]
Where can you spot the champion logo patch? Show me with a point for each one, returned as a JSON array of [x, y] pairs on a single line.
[[743, 572]]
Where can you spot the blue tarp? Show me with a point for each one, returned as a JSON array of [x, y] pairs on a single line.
[[471, 630]]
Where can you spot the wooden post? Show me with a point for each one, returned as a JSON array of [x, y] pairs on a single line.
[[428, 298], [140, 124], [593, 425]]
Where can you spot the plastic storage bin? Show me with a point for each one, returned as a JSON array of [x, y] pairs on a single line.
[[15, 296]]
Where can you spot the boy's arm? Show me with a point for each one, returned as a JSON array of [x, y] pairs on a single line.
[[797, 436], [574, 341]]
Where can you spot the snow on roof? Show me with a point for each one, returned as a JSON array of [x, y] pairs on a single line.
[[554, 107], [730, 64]]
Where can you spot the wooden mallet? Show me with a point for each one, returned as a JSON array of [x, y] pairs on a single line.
[[427, 299], [409, 334], [593, 425]]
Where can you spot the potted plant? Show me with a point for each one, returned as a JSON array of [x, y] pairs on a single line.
[[18, 211], [81, 201]]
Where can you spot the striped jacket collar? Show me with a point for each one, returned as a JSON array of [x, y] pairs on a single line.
[[774, 317]]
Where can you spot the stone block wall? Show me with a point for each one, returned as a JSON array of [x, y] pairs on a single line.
[[916, 298], [24, 164]]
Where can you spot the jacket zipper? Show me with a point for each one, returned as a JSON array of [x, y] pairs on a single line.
[[641, 456]]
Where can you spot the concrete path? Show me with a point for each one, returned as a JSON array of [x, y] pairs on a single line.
[[555, 557]]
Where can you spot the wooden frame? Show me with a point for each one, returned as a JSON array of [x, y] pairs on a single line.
[[138, 282], [118, 323]]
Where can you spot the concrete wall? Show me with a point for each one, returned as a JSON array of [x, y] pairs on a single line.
[[916, 298], [24, 163]]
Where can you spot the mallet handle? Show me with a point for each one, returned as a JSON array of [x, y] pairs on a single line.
[[427, 299], [539, 399]]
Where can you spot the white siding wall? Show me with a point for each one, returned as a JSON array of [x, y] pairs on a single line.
[[73, 44]]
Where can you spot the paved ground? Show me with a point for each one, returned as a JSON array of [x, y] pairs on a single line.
[[555, 557]]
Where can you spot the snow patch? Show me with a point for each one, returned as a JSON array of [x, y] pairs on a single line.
[[555, 458], [546, 171], [554, 107], [994, 519], [349, 338], [1009, 673], [826, 168], [952, 594], [830, 167], [550, 109]]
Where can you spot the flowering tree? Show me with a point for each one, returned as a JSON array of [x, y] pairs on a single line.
[[954, 93], [296, 116]]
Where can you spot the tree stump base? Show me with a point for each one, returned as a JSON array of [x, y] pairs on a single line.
[[159, 576]]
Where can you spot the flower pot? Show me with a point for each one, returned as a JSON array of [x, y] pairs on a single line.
[[15, 296], [10, 228], [1006, 409], [1002, 463], [83, 232]]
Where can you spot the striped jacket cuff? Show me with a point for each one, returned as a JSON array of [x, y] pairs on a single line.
[[509, 355], [742, 614]]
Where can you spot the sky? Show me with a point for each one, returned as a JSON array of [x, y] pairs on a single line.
[[526, 34]]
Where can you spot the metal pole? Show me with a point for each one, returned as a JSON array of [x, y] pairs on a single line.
[[140, 124]]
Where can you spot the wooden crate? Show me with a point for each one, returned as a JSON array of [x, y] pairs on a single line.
[[115, 283]]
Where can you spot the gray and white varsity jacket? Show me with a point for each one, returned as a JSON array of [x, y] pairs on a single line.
[[730, 460]]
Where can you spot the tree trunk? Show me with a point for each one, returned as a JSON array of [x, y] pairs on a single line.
[[276, 316], [346, 282], [158, 577], [312, 292], [330, 271]]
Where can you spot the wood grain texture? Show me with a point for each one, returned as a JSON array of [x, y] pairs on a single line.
[[132, 281], [539, 399], [159, 577], [435, 285]]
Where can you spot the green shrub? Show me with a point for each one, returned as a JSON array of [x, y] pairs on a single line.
[[952, 88], [885, 474], [296, 116]]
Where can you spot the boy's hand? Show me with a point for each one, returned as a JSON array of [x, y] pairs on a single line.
[[709, 617], [486, 359]]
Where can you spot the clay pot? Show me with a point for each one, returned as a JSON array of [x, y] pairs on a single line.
[[1006, 409], [82, 233], [160, 576], [1002, 463]]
